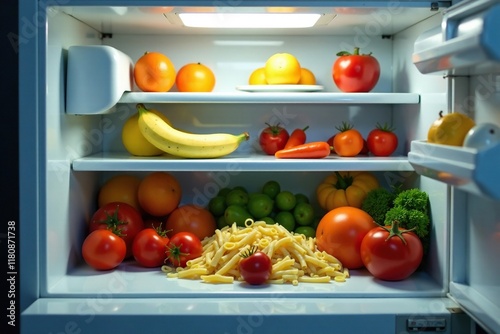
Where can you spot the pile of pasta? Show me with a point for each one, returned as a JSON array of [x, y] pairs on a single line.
[[294, 258]]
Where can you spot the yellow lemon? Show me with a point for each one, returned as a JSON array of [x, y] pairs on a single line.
[[258, 77], [306, 77], [282, 69], [450, 129], [134, 141]]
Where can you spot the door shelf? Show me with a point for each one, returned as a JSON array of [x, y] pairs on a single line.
[[248, 162], [470, 169]]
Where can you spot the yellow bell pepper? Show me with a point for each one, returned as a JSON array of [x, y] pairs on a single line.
[[345, 189]]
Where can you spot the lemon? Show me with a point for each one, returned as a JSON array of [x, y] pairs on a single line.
[[306, 77], [450, 129], [133, 140], [282, 69], [258, 77]]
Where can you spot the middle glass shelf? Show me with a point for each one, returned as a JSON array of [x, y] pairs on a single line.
[[245, 162]]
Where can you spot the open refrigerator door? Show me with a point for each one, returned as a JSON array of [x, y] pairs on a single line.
[[83, 56]]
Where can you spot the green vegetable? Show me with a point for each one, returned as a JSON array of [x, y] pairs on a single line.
[[413, 199], [377, 202], [416, 220], [411, 210]]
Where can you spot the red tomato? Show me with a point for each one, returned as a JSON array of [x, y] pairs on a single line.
[[103, 250], [355, 72], [382, 141], [363, 151], [330, 142], [348, 142], [255, 267], [273, 138], [391, 257], [150, 247], [340, 232], [182, 247], [120, 218]]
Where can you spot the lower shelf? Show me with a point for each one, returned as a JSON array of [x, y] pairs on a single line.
[[131, 280]]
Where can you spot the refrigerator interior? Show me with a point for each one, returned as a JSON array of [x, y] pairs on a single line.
[[78, 153], [71, 138]]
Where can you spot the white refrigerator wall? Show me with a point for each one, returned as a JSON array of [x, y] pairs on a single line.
[[433, 90]]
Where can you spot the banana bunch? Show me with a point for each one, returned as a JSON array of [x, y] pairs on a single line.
[[182, 144]]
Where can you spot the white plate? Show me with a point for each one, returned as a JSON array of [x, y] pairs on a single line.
[[280, 88]]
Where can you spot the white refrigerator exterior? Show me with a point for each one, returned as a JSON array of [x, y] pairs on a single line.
[[69, 149]]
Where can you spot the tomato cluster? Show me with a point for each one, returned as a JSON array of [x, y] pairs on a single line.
[[348, 142], [142, 219], [351, 235]]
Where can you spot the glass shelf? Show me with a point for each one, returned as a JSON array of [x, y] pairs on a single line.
[[248, 162], [271, 97]]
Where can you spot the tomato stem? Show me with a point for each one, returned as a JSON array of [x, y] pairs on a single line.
[[386, 127], [346, 126], [395, 231], [249, 252], [275, 129], [175, 252], [113, 223]]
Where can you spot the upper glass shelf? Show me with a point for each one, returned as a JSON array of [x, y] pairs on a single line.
[[271, 97]]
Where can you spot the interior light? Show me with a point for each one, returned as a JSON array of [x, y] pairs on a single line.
[[249, 20]]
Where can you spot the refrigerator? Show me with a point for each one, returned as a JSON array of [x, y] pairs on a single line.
[[76, 91]]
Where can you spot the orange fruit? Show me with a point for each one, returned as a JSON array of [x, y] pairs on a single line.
[[154, 72], [282, 69], [120, 188], [191, 218], [159, 193], [258, 77], [195, 77], [306, 77]]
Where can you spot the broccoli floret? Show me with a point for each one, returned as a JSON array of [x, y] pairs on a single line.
[[409, 219], [413, 199], [377, 202]]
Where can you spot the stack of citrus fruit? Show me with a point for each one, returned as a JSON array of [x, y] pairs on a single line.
[[282, 69]]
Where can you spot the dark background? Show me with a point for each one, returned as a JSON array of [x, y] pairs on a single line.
[[9, 192]]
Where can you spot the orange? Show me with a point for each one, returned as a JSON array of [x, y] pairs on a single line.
[[154, 72], [120, 188], [258, 77], [282, 69], [306, 77], [191, 218], [195, 77], [159, 193]]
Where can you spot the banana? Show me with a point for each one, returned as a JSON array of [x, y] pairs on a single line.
[[186, 145]]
